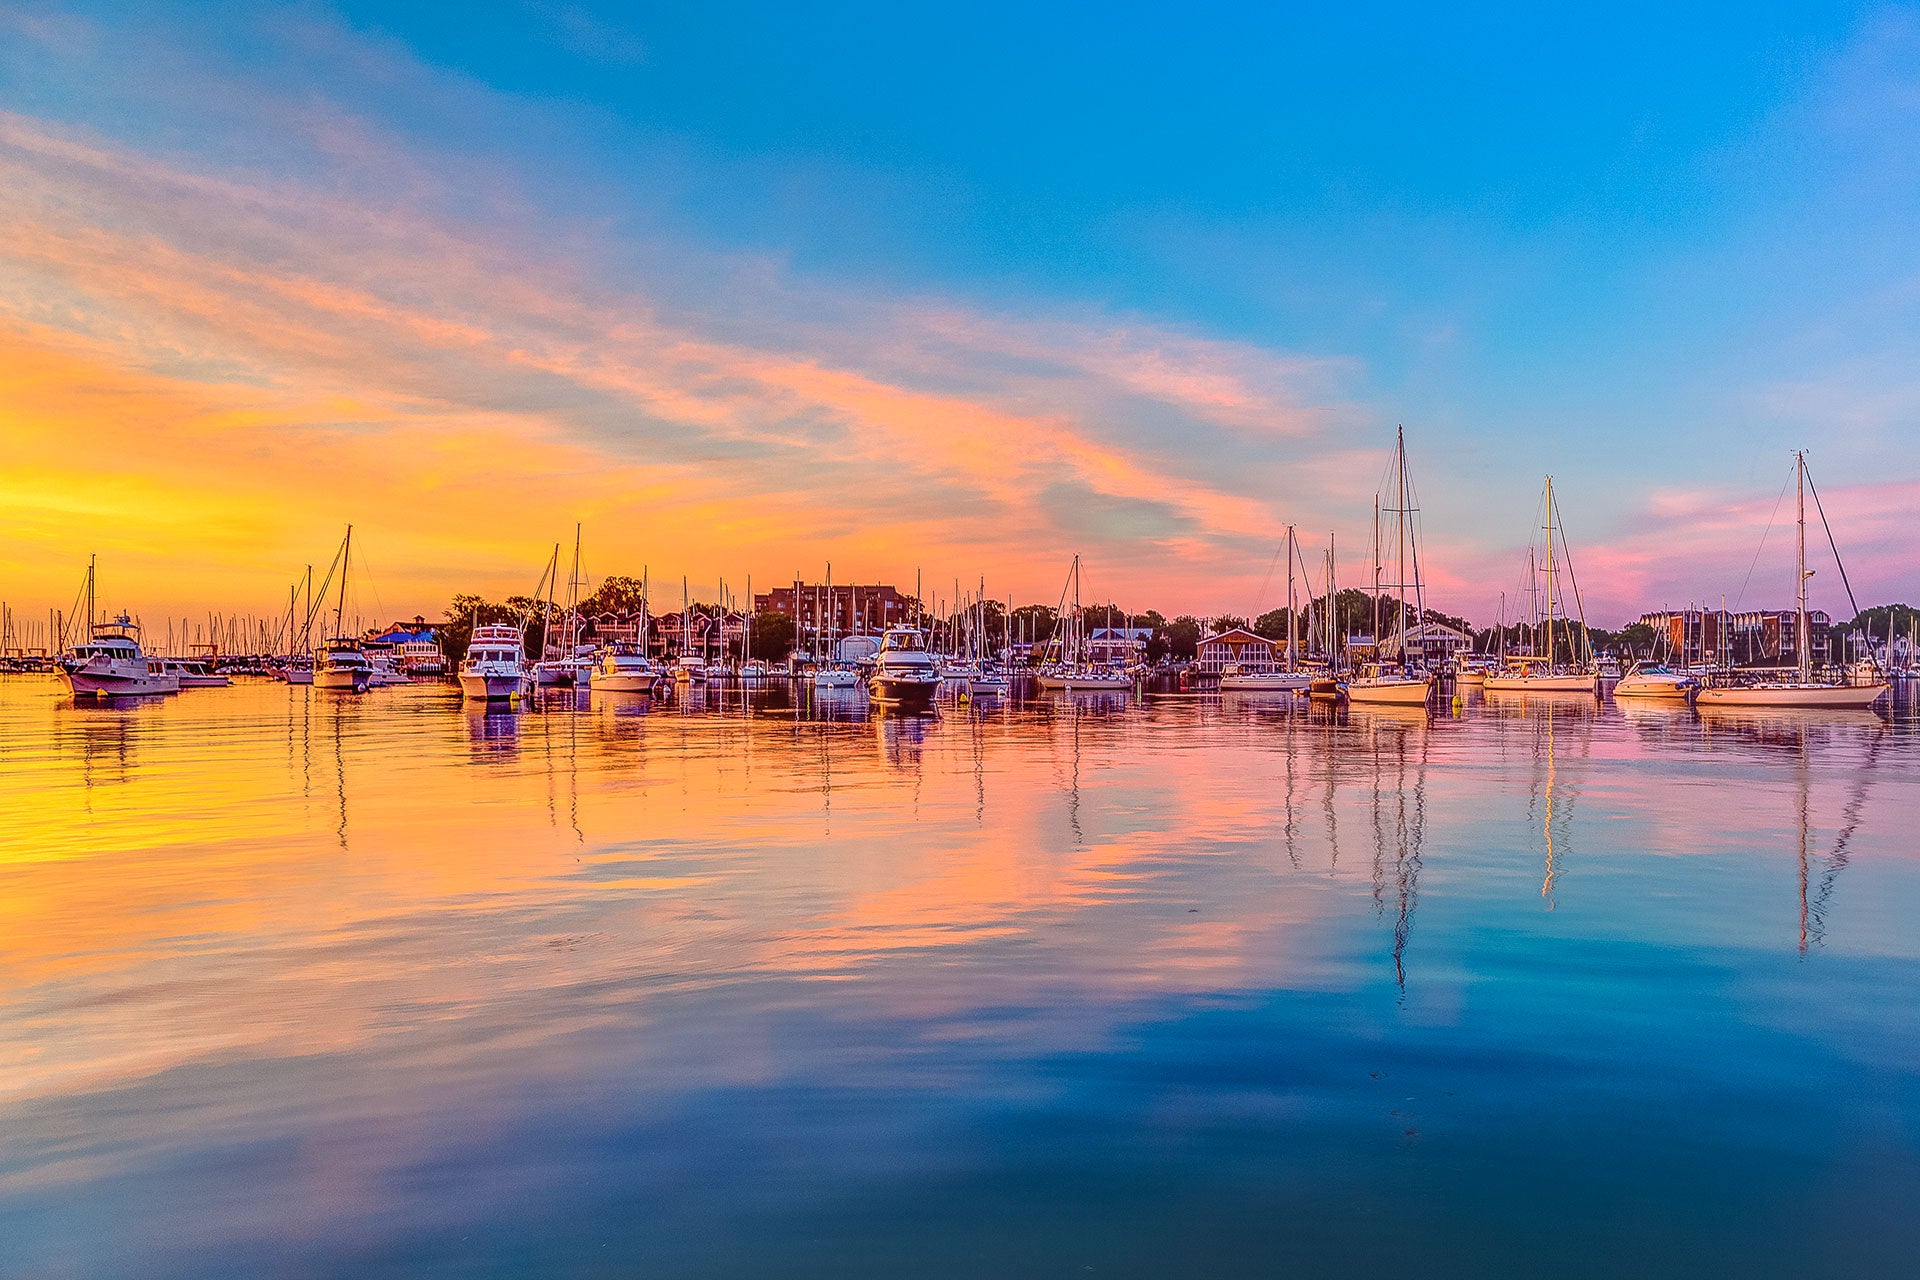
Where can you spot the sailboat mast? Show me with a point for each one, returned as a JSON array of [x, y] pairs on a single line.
[[1802, 637], [346, 560], [1292, 613], [1376, 574], [1549, 573]]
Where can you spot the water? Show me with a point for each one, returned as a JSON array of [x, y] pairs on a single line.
[[300, 984]]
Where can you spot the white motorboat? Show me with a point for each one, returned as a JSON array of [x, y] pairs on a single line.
[[624, 669], [755, 672], [1235, 678], [387, 670], [836, 678], [1391, 685], [343, 666], [194, 673], [297, 669], [1655, 683], [690, 668], [573, 671], [496, 668], [111, 664], [904, 673]]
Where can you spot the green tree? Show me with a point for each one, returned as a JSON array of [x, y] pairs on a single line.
[[1183, 638], [772, 636], [615, 594]]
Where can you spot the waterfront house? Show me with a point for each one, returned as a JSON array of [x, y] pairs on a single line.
[[1236, 646]]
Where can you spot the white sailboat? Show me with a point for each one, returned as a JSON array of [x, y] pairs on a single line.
[[568, 664], [1540, 673], [340, 664], [1803, 690], [1071, 672], [1396, 684], [828, 671], [1236, 679]]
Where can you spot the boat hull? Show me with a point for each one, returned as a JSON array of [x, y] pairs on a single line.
[[904, 691], [1649, 689], [493, 688], [1586, 684], [836, 679], [1834, 696], [1085, 684], [1392, 693], [1277, 682], [626, 682], [93, 684], [343, 681], [204, 682]]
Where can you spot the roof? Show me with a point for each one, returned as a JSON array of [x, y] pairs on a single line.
[[1235, 635]]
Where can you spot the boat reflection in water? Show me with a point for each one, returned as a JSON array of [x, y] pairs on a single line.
[[767, 984]]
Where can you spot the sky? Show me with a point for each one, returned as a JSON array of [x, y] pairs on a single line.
[[743, 290]]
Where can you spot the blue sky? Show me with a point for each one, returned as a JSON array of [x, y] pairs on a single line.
[[1647, 250]]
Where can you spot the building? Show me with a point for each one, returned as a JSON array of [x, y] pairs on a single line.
[[846, 610], [1235, 646], [1118, 646], [1431, 641], [1754, 638]]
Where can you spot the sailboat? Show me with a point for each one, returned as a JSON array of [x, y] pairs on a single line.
[[1396, 684], [1803, 690], [571, 663], [828, 671], [1071, 672], [1233, 679], [341, 664], [1539, 673]]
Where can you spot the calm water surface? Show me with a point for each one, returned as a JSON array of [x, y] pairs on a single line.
[[298, 984]]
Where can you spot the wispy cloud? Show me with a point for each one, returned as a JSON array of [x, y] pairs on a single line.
[[885, 430]]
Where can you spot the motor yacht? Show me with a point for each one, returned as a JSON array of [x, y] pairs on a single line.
[[1655, 683], [623, 668], [112, 664], [194, 673], [342, 665], [496, 665], [904, 673]]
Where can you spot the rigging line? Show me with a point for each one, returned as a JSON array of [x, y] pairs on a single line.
[[1267, 581], [1742, 594], [1835, 546], [1574, 581]]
